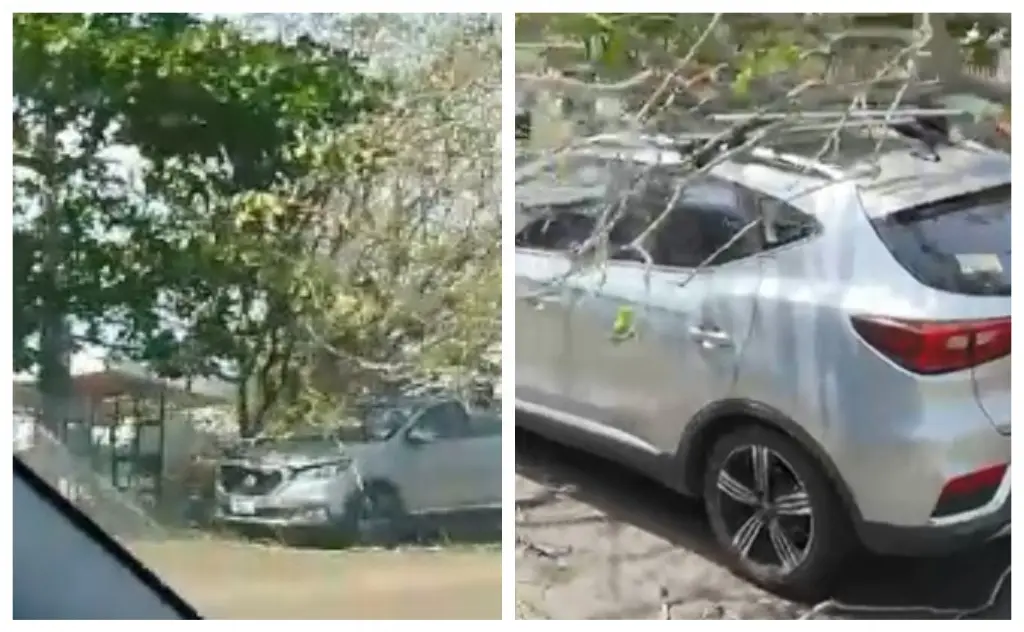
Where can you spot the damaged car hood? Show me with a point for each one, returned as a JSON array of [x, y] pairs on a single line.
[[288, 455]]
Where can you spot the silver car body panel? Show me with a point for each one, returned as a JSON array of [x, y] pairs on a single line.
[[446, 475], [775, 329]]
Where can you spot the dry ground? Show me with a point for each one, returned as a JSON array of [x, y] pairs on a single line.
[[606, 544], [231, 580]]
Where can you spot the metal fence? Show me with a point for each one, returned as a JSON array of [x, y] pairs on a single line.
[[119, 513]]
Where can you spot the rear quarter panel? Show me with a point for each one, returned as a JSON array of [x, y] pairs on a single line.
[[887, 431]]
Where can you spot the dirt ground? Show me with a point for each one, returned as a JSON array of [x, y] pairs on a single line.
[[231, 580], [594, 541]]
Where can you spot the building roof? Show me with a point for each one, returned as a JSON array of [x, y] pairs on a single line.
[[131, 381]]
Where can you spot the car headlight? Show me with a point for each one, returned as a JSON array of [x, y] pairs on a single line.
[[318, 472], [315, 514]]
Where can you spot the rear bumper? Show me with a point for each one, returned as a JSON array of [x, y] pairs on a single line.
[[938, 539], [897, 484]]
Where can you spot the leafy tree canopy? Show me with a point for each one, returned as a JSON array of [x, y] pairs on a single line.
[[212, 114]]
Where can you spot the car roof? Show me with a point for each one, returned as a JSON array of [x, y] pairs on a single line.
[[904, 182], [420, 400], [899, 176]]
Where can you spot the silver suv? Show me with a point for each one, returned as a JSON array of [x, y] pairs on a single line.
[[838, 373], [408, 461]]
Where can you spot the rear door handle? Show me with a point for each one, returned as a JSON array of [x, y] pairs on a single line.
[[710, 337], [540, 301]]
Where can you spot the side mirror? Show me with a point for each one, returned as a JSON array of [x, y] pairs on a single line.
[[418, 435]]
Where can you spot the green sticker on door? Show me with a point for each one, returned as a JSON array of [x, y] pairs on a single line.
[[624, 327]]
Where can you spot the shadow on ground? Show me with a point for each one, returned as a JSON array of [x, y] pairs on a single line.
[[462, 527], [635, 549], [452, 528]]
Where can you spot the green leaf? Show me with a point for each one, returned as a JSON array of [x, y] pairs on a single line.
[[624, 326], [741, 84], [614, 52]]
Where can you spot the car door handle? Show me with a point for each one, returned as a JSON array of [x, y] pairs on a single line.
[[540, 301], [709, 337]]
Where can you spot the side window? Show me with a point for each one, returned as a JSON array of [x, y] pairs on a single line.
[[561, 198], [382, 424], [571, 226], [707, 215], [447, 420], [558, 228], [784, 223]]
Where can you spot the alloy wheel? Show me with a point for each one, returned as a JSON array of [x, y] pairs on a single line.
[[377, 513], [765, 507]]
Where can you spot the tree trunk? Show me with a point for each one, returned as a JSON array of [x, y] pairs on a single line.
[[54, 383], [246, 429]]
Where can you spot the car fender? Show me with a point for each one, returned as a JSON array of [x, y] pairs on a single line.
[[707, 424]]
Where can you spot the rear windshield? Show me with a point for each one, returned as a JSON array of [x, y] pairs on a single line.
[[960, 245]]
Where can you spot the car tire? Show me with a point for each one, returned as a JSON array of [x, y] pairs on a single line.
[[380, 517], [790, 512]]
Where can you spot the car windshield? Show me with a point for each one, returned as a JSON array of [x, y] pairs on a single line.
[[379, 423], [235, 236]]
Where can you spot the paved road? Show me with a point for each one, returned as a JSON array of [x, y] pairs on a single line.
[[609, 544]]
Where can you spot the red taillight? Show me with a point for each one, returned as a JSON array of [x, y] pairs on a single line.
[[932, 347], [969, 491], [980, 480]]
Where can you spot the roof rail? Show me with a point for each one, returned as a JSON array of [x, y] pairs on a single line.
[[927, 126], [795, 90], [800, 162], [913, 128], [877, 115]]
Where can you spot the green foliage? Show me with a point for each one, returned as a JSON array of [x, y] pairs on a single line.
[[289, 225], [617, 41], [764, 60], [414, 230], [184, 256], [168, 80]]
